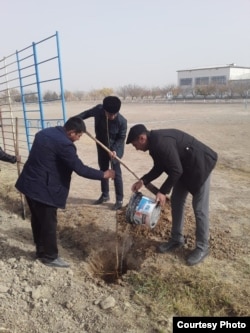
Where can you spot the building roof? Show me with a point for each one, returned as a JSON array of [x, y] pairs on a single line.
[[213, 67]]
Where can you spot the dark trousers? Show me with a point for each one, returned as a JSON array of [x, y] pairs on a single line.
[[44, 225], [104, 164], [200, 203]]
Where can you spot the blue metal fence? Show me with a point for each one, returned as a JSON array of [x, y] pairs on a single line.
[[31, 90]]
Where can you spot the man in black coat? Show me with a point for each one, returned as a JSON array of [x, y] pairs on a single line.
[[45, 182], [188, 164], [110, 130]]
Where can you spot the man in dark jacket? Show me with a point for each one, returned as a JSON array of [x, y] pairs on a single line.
[[9, 158], [45, 181], [188, 164], [110, 129]]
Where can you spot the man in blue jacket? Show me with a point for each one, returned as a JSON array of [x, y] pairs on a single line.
[[45, 182], [188, 164], [110, 130]]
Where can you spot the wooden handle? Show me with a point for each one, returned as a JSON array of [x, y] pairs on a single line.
[[149, 186], [109, 151], [18, 169]]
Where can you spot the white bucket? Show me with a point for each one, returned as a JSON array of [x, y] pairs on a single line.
[[143, 211]]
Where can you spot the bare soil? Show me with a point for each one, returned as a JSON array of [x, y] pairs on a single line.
[[94, 294]]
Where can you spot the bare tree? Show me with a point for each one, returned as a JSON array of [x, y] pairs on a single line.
[[79, 95]]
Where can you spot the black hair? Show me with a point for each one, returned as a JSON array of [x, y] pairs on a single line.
[[112, 104], [75, 124]]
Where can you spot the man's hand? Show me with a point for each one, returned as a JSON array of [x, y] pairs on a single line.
[[136, 186], [112, 155], [161, 199], [109, 174]]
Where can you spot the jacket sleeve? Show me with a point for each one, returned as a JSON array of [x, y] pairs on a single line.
[[89, 113], [6, 157], [166, 159], [69, 156], [119, 143]]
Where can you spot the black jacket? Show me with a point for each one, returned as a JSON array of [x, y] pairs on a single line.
[[6, 157], [181, 157], [111, 133]]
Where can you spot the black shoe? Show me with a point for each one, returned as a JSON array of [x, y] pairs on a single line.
[[102, 199], [58, 262], [196, 256], [117, 205], [171, 245]]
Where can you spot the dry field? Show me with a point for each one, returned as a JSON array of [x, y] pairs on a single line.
[[114, 261]]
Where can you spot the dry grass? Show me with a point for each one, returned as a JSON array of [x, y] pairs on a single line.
[[189, 292]]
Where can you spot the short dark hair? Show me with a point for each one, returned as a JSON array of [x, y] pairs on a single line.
[[75, 124], [112, 104]]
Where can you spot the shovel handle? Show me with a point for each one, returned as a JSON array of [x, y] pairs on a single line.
[[109, 151], [153, 189]]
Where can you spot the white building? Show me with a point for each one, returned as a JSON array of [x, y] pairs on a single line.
[[212, 75]]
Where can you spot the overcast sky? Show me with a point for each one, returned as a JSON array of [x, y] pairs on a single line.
[[112, 43]]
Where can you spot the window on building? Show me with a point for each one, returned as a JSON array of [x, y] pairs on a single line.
[[186, 82], [202, 81], [218, 79]]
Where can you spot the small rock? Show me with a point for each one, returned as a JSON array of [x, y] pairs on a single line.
[[11, 260], [28, 289], [3, 289], [69, 305], [39, 292], [107, 303]]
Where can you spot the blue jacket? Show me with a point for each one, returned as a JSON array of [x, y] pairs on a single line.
[[46, 175], [114, 137], [182, 157]]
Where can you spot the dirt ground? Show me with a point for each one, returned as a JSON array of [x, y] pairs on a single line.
[[102, 248]]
